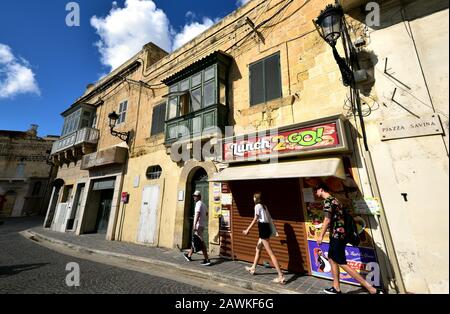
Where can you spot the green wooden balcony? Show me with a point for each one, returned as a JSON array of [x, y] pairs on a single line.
[[196, 124]]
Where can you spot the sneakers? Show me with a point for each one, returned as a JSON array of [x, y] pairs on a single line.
[[187, 257], [206, 263], [332, 291]]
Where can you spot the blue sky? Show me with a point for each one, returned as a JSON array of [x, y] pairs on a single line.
[[45, 65]]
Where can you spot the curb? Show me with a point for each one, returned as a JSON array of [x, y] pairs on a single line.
[[208, 275]]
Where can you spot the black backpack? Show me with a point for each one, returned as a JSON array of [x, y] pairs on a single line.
[[351, 230]]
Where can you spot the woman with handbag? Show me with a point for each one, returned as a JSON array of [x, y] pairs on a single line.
[[266, 230]]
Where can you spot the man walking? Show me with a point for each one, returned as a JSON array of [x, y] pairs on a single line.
[[200, 221], [334, 220]]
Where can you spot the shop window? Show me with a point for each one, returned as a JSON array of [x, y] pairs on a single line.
[[154, 172], [158, 119], [265, 80], [122, 112]]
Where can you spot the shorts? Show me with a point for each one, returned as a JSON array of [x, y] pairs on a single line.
[[336, 252], [264, 230], [200, 232]]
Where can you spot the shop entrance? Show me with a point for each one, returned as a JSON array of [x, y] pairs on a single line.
[[199, 183], [75, 207], [104, 211], [283, 199]]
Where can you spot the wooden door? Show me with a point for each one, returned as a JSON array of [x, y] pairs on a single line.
[[148, 219]]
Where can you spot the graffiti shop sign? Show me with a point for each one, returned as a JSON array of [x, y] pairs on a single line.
[[300, 140]]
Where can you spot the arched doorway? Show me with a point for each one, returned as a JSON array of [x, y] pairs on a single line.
[[200, 183]]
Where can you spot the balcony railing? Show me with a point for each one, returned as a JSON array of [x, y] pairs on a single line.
[[196, 123], [83, 136]]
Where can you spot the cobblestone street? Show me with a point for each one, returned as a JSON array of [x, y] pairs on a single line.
[[26, 267]]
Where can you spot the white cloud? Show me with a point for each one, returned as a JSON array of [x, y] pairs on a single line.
[[241, 2], [190, 31], [125, 30], [16, 76]]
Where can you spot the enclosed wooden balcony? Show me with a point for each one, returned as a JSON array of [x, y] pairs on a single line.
[[75, 145]]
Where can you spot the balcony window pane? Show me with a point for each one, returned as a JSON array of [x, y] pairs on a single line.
[[173, 102], [184, 104], [197, 80], [172, 131], [76, 123], [173, 88], [223, 93], [196, 99], [183, 128], [209, 73], [184, 85], [197, 125], [208, 120], [209, 93]]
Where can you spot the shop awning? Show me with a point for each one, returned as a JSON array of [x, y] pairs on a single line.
[[325, 167]]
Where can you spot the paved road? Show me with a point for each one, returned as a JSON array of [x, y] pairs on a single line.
[[27, 267]]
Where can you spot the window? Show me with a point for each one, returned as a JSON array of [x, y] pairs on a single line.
[[158, 119], [94, 121], [154, 172], [265, 80], [202, 92], [71, 123], [122, 112], [20, 170]]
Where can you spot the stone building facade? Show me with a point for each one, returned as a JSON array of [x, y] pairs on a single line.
[[25, 173], [263, 68]]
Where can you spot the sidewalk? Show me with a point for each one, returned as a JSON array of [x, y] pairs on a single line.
[[222, 270]]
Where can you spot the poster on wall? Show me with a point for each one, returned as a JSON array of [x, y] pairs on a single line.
[[314, 218], [225, 220], [217, 195], [367, 206], [362, 260]]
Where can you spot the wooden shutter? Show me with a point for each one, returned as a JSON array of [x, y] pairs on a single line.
[[257, 83], [282, 197], [272, 77], [158, 119]]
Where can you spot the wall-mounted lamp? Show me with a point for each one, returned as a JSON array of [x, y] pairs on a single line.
[[124, 136], [329, 24]]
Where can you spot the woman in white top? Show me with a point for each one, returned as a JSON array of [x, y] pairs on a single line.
[[265, 226]]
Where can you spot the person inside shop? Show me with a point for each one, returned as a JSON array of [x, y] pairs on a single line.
[[200, 221], [266, 229], [334, 221]]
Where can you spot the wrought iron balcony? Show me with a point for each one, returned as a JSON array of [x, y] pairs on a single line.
[[75, 145]]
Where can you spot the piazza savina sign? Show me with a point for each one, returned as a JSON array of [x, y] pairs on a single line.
[[323, 135]]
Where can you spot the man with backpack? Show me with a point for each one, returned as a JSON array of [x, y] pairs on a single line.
[[335, 220]]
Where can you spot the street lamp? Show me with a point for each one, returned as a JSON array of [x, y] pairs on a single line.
[[329, 24], [124, 136]]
